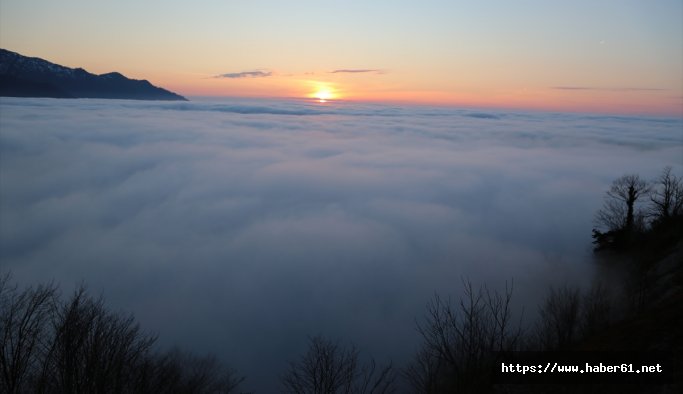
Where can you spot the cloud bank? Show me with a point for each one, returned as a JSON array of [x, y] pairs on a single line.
[[243, 226]]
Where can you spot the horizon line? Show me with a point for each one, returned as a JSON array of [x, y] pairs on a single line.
[[677, 115]]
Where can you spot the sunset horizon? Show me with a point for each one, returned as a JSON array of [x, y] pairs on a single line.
[[612, 57], [570, 99]]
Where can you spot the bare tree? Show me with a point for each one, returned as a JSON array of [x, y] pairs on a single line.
[[425, 374], [375, 380], [667, 196], [93, 349], [325, 368], [328, 368], [178, 372], [24, 331], [559, 320], [79, 346], [459, 342], [597, 310], [618, 211]]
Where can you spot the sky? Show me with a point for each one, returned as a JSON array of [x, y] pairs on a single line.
[[242, 226], [620, 56]]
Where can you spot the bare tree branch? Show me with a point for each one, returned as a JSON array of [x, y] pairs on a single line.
[[618, 211], [459, 343], [328, 368], [667, 196], [24, 318]]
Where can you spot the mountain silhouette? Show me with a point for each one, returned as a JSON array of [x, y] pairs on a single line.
[[22, 76]]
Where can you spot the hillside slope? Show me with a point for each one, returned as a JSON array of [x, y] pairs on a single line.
[[22, 76]]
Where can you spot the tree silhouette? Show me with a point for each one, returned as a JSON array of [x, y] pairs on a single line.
[[618, 211], [328, 368], [179, 372], [667, 196], [597, 310], [618, 214], [24, 332], [459, 341], [559, 319], [94, 350], [79, 346]]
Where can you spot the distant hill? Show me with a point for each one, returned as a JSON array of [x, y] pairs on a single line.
[[22, 76]]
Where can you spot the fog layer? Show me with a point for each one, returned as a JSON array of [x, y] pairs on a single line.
[[242, 226]]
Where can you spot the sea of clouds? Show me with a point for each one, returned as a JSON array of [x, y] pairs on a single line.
[[241, 227]]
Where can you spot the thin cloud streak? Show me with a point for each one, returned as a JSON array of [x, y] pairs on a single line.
[[358, 71], [623, 89], [246, 74]]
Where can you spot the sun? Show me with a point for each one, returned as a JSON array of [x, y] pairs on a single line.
[[323, 94]]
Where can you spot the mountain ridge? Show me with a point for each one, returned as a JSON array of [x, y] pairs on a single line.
[[23, 76]]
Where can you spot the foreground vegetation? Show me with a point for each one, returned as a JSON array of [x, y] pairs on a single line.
[[76, 345], [637, 213], [79, 346]]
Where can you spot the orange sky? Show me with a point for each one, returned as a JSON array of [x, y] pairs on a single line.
[[611, 56]]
